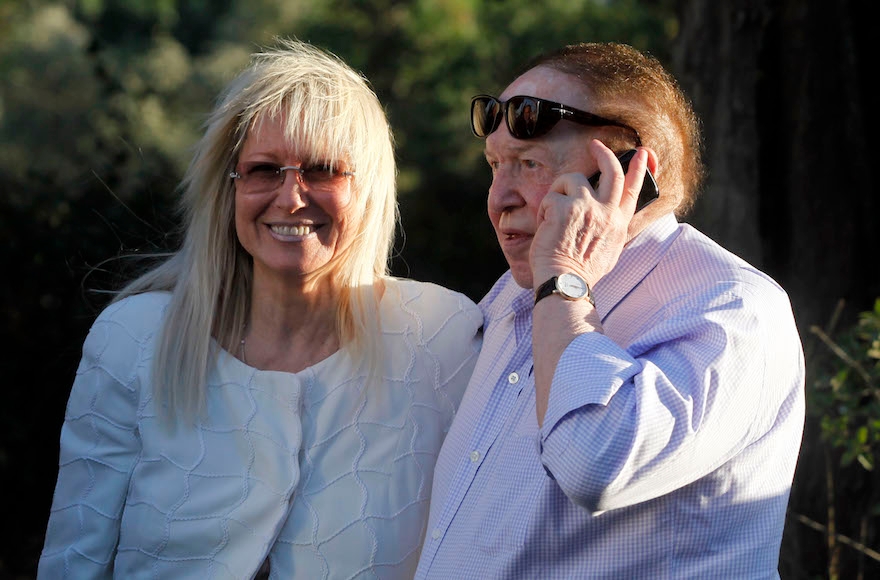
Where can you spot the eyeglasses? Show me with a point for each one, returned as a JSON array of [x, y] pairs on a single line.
[[263, 177], [530, 117]]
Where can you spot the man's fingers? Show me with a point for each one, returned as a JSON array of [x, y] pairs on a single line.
[[573, 185], [611, 179], [633, 181]]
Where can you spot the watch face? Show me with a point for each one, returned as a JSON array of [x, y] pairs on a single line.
[[571, 286]]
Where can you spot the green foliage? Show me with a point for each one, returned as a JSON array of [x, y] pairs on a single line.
[[845, 391], [837, 486]]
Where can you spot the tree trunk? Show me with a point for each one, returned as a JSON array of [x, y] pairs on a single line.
[[790, 127], [782, 89], [716, 61]]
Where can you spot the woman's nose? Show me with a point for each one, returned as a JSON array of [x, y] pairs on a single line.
[[290, 196]]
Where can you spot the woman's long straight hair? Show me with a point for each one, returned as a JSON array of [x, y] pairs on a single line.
[[331, 114]]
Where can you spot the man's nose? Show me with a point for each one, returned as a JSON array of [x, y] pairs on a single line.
[[504, 191]]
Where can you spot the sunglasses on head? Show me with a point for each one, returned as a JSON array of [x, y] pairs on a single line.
[[530, 117]]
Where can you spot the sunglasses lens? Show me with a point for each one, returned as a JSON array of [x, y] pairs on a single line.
[[485, 116], [525, 120], [531, 117]]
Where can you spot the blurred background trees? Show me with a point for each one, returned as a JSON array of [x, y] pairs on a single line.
[[101, 100]]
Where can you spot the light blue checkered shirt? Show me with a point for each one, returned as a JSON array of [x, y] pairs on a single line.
[[669, 444]]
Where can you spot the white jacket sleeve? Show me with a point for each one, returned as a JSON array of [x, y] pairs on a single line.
[[99, 449]]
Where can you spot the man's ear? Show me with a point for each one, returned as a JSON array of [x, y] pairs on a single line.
[[653, 161]]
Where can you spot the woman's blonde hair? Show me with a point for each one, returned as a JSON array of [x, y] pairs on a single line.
[[332, 114]]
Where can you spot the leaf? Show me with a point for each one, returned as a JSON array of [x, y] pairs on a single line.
[[848, 456]]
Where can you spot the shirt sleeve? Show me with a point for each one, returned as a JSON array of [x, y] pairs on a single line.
[[99, 448], [698, 385]]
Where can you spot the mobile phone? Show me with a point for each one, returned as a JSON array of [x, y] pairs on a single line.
[[649, 191]]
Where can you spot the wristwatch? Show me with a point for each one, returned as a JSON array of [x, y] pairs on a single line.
[[569, 285]]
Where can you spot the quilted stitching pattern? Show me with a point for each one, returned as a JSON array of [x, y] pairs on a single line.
[[329, 480]]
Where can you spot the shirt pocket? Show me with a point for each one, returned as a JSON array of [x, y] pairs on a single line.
[[511, 499]]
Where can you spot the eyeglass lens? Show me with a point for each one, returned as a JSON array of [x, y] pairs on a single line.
[[262, 177]]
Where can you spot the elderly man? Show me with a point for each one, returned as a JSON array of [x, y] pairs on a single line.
[[637, 408]]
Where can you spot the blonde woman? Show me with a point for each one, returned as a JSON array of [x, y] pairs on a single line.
[[267, 398]]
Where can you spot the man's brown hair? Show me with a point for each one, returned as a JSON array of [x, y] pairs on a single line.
[[632, 87]]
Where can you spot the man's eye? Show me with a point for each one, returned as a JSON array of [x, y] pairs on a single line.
[[530, 163]]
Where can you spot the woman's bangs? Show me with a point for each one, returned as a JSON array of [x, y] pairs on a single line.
[[319, 131]]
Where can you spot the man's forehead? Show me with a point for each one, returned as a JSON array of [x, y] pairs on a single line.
[[548, 83], [529, 83]]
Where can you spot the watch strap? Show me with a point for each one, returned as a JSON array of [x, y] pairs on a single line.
[[545, 289]]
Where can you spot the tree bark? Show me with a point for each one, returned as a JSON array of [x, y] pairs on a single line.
[[715, 58], [785, 92], [782, 87]]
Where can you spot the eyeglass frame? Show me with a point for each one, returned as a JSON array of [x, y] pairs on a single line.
[[565, 113], [282, 171]]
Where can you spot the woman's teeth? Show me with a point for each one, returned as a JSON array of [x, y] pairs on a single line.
[[291, 230]]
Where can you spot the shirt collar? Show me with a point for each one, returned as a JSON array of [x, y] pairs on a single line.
[[507, 298], [639, 257]]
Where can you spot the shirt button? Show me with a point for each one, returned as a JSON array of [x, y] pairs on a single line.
[[513, 378], [475, 456], [435, 534]]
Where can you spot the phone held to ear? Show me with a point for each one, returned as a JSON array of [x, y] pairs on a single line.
[[649, 190]]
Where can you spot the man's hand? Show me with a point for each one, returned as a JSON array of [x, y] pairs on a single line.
[[582, 230]]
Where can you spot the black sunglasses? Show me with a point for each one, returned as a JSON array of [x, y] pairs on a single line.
[[530, 117]]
